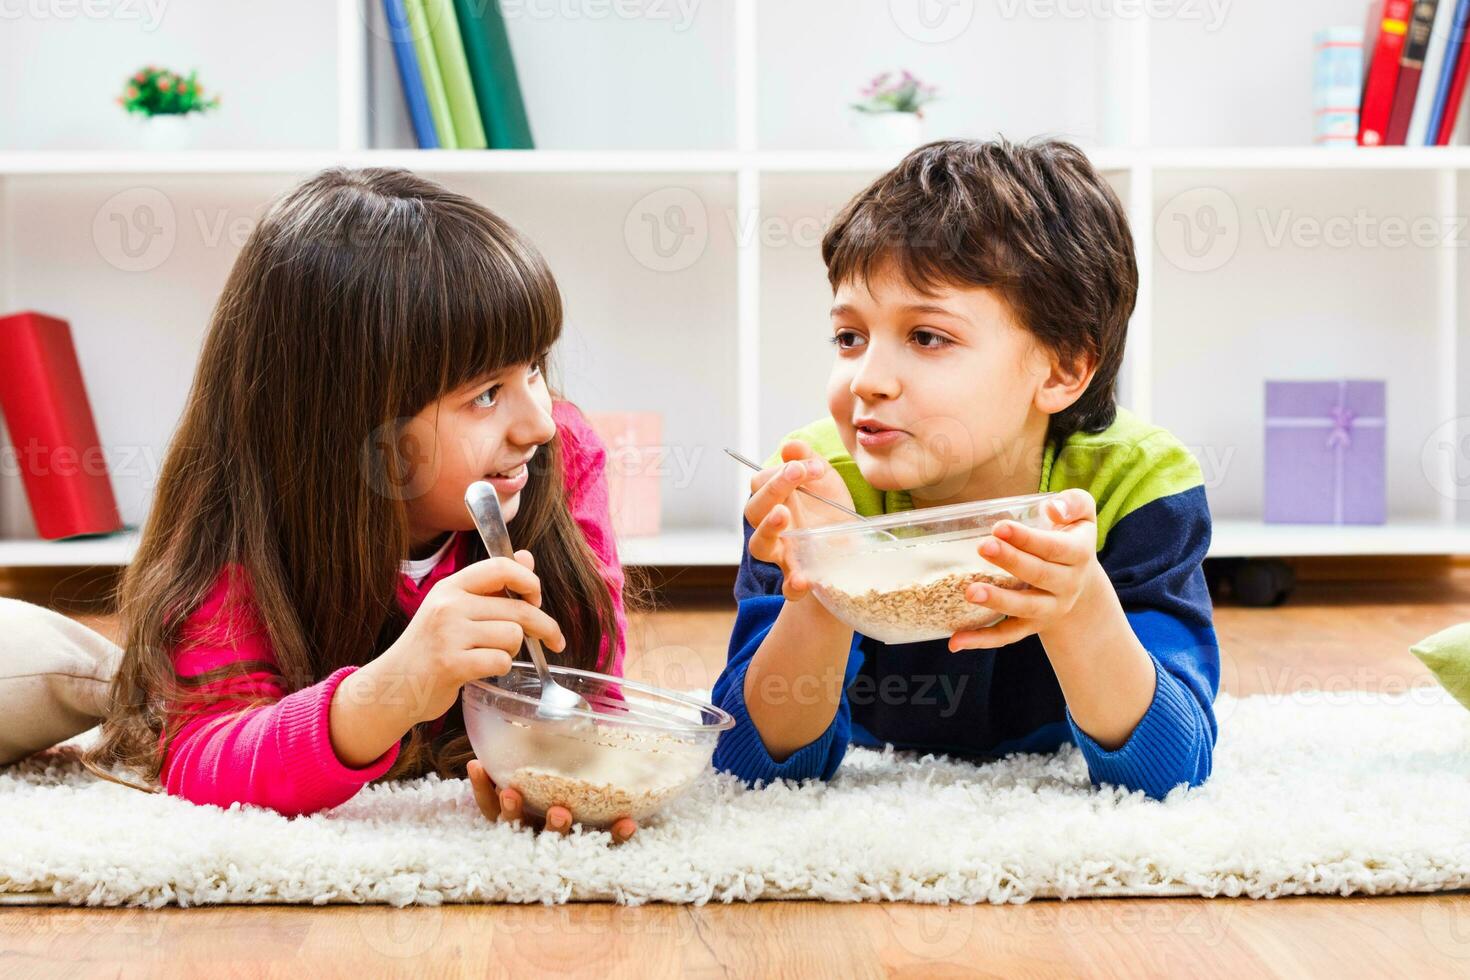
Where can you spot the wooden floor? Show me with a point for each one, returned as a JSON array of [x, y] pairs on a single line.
[[1339, 636]]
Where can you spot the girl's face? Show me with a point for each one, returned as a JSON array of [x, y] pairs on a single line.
[[488, 430], [938, 394]]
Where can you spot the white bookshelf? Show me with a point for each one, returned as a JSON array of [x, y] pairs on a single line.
[[741, 115]]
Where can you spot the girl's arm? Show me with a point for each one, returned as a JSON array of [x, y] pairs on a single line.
[[585, 458], [250, 741]]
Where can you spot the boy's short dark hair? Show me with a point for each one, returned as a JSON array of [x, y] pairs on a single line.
[[1032, 220]]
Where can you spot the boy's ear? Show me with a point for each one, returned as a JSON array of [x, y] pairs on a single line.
[[1065, 383]]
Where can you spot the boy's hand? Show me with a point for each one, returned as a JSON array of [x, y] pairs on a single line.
[[505, 805], [775, 506], [1060, 566]]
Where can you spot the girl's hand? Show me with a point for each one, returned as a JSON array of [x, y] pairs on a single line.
[[505, 805], [467, 628], [1060, 566], [775, 506]]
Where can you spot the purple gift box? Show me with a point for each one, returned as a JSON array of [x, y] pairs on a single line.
[[1325, 452]]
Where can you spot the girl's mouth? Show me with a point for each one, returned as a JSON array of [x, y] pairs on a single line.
[[511, 482]]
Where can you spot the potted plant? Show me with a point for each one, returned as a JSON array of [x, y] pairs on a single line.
[[891, 113], [164, 99]]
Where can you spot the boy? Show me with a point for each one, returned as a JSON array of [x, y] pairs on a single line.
[[981, 300]]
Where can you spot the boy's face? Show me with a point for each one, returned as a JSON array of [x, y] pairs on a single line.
[[489, 430], [926, 389]]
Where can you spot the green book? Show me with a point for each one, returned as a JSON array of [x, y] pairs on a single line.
[[444, 29], [423, 49], [493, 70]]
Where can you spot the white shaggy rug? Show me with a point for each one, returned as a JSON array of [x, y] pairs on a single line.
[[1330, 794]]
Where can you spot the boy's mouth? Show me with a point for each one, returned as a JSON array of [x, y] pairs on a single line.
[[872, 434]]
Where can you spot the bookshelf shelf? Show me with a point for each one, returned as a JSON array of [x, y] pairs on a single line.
[[741, 113]]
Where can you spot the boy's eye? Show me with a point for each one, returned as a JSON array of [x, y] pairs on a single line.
[[929, 340], [847, 339], [486, 398]]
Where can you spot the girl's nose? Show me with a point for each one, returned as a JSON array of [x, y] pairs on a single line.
[[534, 425]]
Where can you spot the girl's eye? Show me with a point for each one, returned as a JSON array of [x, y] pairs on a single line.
[[486, 398], [846, 339], [929, 340]]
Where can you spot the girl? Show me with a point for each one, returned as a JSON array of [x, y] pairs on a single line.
[[310, 594]]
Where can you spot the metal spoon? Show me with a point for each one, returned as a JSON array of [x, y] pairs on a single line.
[[556, 702], [830, 503]]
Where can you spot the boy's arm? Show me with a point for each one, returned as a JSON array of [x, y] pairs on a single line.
[[1128, 633], [785, 683]]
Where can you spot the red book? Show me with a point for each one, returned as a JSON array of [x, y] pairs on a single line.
[[52, 430], [1383, 72], [1411, 71], [1455, 97]]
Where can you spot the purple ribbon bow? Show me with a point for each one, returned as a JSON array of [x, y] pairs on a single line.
[[1341, 435]]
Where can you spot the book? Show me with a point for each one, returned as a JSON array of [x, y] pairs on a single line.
[[1411, 70], [1439, 39], [52, 430], [493, 70], [1439, 133], [423, 49], [1382, 78], [455, 70], [400, 35], [1337, 85]]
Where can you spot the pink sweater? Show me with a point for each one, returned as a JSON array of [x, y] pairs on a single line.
[[279, 755]]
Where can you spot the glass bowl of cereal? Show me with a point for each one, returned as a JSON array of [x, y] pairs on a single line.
[[637, 749], [901, 578]]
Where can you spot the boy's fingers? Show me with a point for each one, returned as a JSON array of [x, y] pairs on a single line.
[[796, 449], [1001, 634], [484, 790], [765, 539], [623, 829], [1073, 505], [1027, 567], [1056, 546], [1023, 603]]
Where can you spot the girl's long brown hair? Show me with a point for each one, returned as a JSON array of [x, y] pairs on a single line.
[[360, 298]]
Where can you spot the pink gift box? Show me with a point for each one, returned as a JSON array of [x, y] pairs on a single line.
[[633, 442]]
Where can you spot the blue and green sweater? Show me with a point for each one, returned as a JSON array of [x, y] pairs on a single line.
[[1152, 534]]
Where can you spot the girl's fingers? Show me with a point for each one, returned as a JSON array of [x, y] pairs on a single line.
[[494, 575], [1026, 567], [486, 662], [484, 790], [1024, 603], [623, 830], [559, 819], [490, 611], [510, 804]]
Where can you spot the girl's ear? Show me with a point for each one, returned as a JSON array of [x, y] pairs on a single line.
[[1064, 382]]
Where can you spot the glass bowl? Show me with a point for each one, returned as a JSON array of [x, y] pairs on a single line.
[[636, 750], [901, 578]]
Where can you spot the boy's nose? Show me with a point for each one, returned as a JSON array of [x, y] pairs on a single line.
[[873, 382]]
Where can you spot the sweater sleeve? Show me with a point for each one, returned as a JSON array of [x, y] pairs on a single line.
[[1154, 558], [234, 734], [741, 750], [585, 459]]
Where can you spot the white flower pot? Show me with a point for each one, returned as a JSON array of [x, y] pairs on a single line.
[[890, 130], [167, 133]]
